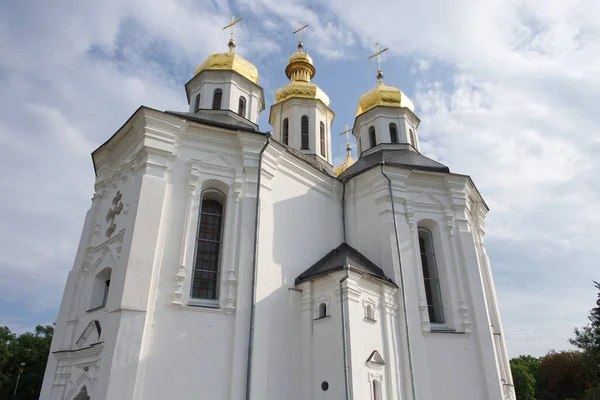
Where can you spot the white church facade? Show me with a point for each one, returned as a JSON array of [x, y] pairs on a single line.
[[221, 262]]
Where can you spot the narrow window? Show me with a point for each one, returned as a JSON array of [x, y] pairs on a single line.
[[370, 313], [393, 133], [430, 277], [322, 310], [205, 280], [376, 390], [197, 103], [242, 106], [372, 137], [413, 139], [304, 133], [218, 95], [286, 130], [100, 288], [359, 147], [322, 126]]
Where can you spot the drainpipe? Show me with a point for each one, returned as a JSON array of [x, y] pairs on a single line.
[[410, 364], [344, 339], [254, 269]]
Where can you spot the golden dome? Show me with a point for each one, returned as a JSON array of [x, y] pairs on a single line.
[[229, 61], [383, 95], [347, 163], [303, 90], [300, 70]]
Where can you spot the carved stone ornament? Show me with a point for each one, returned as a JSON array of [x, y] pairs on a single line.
[[117, 207]]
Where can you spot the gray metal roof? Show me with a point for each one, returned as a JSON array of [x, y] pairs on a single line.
[[220, 118], [337, 259], [400, 158]]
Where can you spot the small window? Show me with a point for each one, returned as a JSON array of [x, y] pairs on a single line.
[[413, 139], [286, 130], [370, 313], [100, 288], [430, 276], [376, 390], [197, 103], [359, 146], [322, 126], [242, 106], [322, 310], [205, 278], [217, 97], [372, 137], [304, 133], [393, 133]]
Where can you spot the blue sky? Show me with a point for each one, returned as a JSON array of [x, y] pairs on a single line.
[[507, 91]]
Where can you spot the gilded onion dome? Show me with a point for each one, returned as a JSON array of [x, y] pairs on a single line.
[[300, 70], [229, 61], [383, 95], [347, 163]]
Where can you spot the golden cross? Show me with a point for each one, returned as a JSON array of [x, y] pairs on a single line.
[[347, 133], [377, 53], [299, 30], [234, 21]]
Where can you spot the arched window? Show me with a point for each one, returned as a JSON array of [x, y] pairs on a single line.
[[413, 139], [376, 389], [242, 106], [217, 97], [370, 313], [286, 131], [430, 276], [322, 126], [372, 137], [393, 133], [359, 146], [197, 103], [205, 279], [304, 133], [322, 310], [100, 288]]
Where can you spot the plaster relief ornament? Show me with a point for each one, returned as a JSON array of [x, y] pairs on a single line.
[[112, 213]]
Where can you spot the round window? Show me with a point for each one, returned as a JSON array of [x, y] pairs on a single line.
[[324, 386]]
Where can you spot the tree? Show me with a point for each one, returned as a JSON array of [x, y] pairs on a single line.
[[523, 380], [562, 375], [31, 348], [588, 340]]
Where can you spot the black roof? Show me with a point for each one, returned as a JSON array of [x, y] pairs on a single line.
[[397, 157], [337, 259]]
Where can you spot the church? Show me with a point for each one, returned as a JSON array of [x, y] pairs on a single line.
[[220, 261]]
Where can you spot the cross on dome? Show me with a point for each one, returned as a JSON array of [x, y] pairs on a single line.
[[377, 53], [231, 43], [299, 32]]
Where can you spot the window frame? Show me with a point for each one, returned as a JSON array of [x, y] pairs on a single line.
[[201, 301], [322, 310], [197, 103], [413, 138], [372, 137], [242, 106], [431, 280], [215, 106], [304, 133], [393, 133], [322, 139], [285, 135]]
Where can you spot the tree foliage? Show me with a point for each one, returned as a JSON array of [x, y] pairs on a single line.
[[562, 375], [588, 340], [31, 348], [524, 381]]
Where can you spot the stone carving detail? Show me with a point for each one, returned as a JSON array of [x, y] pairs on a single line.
[[112, 213]]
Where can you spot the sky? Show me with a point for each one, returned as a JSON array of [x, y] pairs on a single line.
[[508, 92]]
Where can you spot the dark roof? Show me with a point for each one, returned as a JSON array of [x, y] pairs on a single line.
[[313, 160], [337, 259], [220, 118], [397, 157]]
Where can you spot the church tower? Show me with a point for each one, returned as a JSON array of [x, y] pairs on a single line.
[[301, 117]]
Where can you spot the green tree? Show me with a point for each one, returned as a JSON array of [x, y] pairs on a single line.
[[562, 375], [523, 380], [31, 348], [588, 340]]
